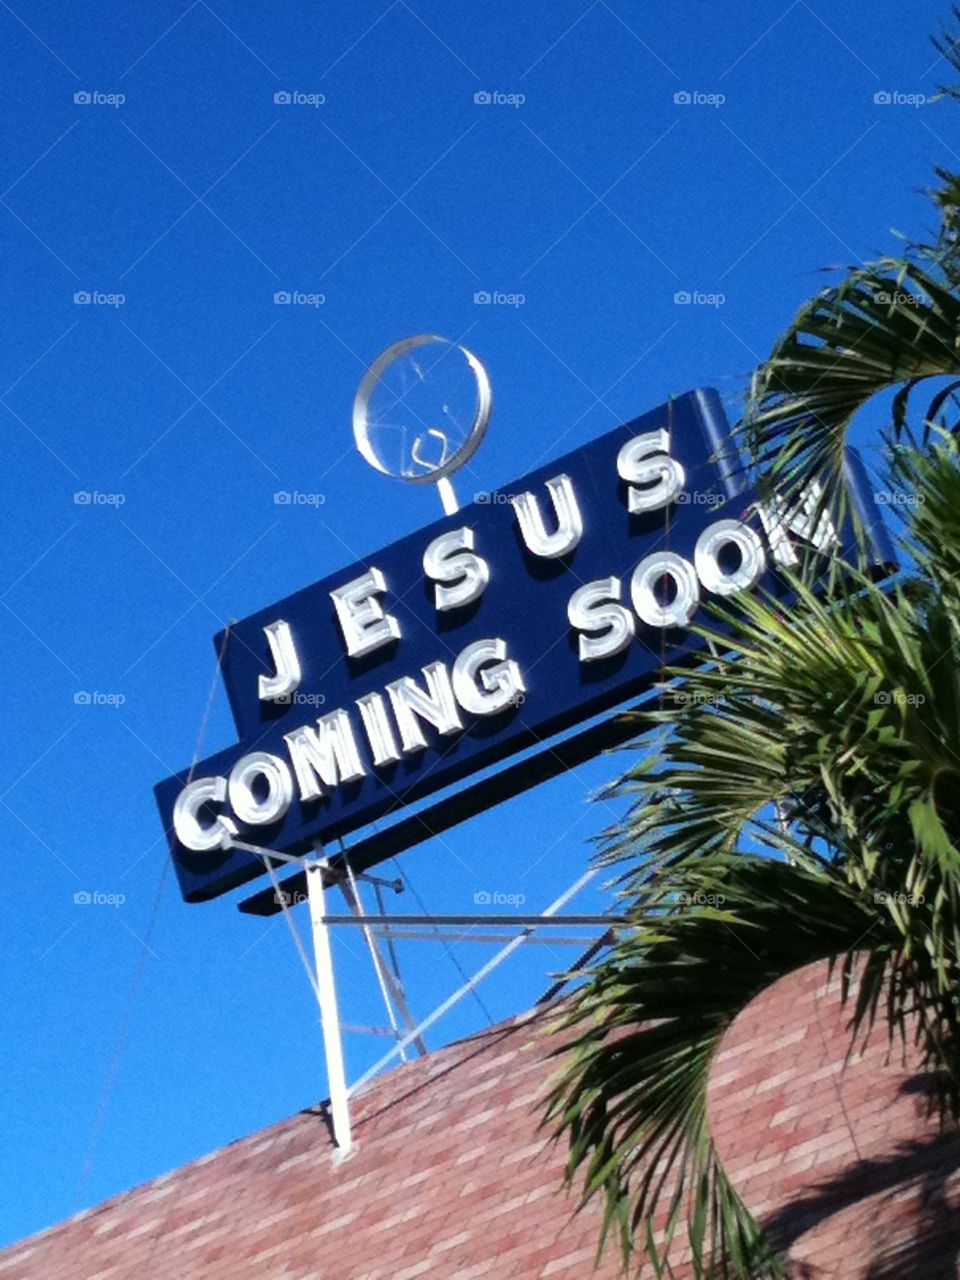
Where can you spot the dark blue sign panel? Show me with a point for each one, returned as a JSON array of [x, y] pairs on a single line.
[[473, 639]]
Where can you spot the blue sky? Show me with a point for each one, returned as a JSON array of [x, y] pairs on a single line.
[[598, 198]]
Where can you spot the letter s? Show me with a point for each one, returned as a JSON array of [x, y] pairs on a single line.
[[591, 609], [450, 559], [646, 460]]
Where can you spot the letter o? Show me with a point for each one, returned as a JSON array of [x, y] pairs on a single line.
[[753, 559], [650, 570], [279, 789]]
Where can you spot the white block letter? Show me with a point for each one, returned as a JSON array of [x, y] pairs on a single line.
[[364, 625], [646, 460], [569, 528], [591, 609], [327, 754], [450, 559]]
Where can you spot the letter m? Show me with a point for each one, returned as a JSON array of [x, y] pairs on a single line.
[[324, 756]]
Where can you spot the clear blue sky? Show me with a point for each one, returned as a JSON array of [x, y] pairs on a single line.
[[197, 398]]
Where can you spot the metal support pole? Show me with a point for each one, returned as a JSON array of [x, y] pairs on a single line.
[[327, 1000], [390, 986], [447, 496]]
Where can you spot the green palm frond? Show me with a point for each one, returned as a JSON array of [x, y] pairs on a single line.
[[802, 800], [804, 804], [633, 1092], [890, 326], [947, 44]]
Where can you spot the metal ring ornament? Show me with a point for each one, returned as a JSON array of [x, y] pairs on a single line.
[[449, 462]]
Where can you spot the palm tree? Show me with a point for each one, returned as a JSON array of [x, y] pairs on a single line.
[[803, 791]]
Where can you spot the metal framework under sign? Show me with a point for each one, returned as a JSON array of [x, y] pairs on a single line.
[[318, 875]]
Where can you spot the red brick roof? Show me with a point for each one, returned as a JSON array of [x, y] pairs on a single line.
[[452, 1180]]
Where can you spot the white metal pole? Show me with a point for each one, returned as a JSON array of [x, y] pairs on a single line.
[[327, 1000]]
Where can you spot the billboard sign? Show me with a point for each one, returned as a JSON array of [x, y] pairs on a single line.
[[453, 650]]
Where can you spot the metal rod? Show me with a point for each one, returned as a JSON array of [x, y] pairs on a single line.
[[396, 884], [274, 854], [434, 935], [391, 949], [390, 985], [468, 986], [352, 897], [329, 1016], [529, 921]]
